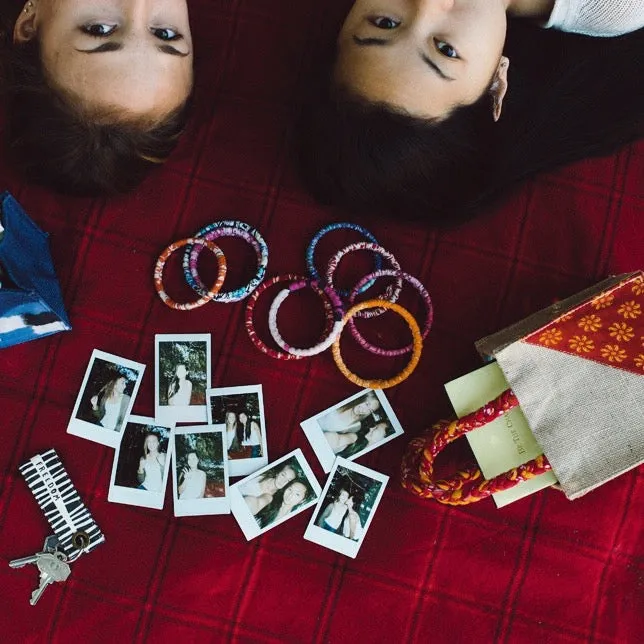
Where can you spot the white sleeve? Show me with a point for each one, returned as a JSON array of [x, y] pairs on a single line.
[[597, 17]]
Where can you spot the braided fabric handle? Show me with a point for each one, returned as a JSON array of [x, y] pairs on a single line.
[[467, 486]]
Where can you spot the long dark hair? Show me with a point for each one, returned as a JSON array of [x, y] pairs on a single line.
[[570, 97], [58, 143], [267, 514]]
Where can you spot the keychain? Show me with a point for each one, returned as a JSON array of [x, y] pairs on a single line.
[[75, 531]]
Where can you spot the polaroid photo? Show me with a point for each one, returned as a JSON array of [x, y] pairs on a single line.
[[352, 428], [346, 507], [273, 495], [182, 377], [241, 411], [142, 463], [200, 472], [105, 398]]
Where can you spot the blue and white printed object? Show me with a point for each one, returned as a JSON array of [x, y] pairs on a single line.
[[31, 305]]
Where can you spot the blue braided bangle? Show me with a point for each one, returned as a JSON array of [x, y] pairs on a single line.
[[310, 264], [227, 228]]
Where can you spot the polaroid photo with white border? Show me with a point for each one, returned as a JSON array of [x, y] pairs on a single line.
[[142, 463], [353, 427], [273, 495], [241, 411], [200, 472], [346, 507], [105, 398], [181, 377]]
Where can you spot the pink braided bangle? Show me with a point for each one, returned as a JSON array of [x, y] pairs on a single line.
[[391, 294], [358, 288], [331, 336], [250, 308]]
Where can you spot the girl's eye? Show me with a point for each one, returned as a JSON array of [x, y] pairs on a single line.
[[383, 22], [99, 30], [165, 33], [446, 49]]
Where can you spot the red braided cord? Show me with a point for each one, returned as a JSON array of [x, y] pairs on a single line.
[[466, 486]]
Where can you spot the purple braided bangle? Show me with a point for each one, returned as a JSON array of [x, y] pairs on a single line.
[[423, 293], [390, 294]]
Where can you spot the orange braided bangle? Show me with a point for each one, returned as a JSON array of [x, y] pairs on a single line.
[[417, 342], [209, 295], [466, 486]]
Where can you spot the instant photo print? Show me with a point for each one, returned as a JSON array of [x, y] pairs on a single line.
[[274, 494], [352, 428], [182, 377], [200, 471], [241, 411], [346, 508], [105, 398], [142, 463]]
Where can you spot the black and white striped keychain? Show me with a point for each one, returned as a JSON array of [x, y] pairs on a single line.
[[75, 531]]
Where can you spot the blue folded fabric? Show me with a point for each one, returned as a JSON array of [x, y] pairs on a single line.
[[31, 304]]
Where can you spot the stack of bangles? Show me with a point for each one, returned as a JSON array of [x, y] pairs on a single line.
[[338, 314], [193, 247]]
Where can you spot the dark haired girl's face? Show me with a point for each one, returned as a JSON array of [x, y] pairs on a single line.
[[134, 56], [193, 460], [294, 494], [285, 475], [422, 56]]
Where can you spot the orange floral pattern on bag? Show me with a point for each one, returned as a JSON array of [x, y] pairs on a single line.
[[609, 328]]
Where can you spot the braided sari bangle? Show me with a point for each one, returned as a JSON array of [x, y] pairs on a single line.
[[331, 336], [390, 294], [423, 293], [250, 308], [415, 355], [227, 228], [466, 486], [209, 295], [310, 251]]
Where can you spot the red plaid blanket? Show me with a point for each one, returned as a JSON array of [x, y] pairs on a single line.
[[541, 569]]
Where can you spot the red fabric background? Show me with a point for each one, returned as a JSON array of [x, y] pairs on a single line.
[[543, 569]]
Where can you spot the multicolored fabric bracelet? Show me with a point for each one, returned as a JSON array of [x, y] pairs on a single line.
[[390, 294], [310, 251], [359, 287], [209, 295], [331, 336], [415, 355], [250, 308], [227, 228]]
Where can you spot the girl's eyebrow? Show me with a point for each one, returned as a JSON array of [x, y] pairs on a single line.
[[428, 61], [366, 42], [117, 46], [383, 42]]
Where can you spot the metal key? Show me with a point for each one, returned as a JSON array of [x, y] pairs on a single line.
[[53, 568], [50, 546]]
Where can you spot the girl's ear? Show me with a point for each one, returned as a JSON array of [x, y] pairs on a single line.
[[25, 27], [499, 87]]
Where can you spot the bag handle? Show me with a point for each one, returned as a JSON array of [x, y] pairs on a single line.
[[467, 486]]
